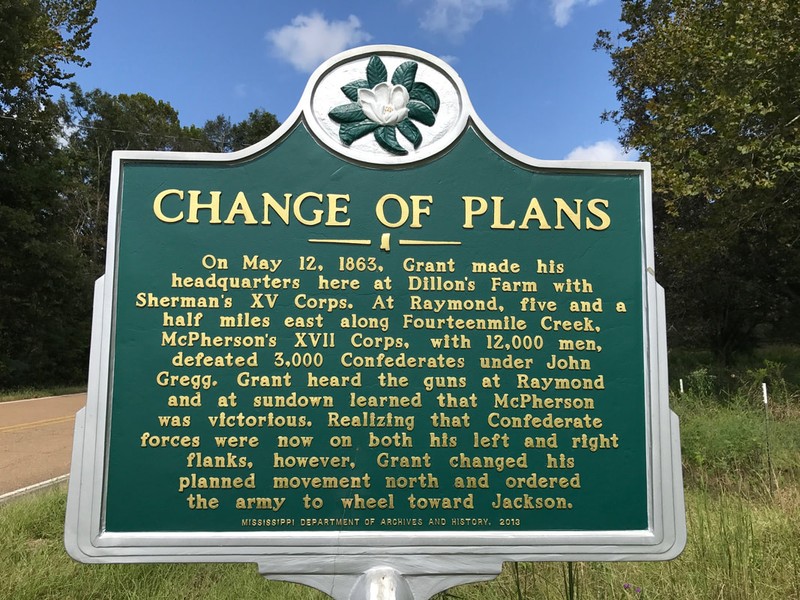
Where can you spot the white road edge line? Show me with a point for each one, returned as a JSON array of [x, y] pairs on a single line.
[[33, 488]]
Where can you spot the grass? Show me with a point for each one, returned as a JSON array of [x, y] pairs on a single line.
[[739, 547], [35, 566], [25, 393], [736, 549]]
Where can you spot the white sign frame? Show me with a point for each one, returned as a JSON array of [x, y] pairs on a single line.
[[350, 564]]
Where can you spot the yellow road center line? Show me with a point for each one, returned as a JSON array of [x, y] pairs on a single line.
[[34, 424]]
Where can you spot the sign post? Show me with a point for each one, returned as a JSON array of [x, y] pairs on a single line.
[[379, 348]]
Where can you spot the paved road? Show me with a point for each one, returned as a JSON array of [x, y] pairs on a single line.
[[36, 439]]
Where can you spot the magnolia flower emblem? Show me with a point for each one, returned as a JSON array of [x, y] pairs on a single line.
[[384, 108], [384, 104]]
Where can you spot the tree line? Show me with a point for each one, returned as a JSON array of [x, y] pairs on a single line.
[[56, 142], [709, 93]]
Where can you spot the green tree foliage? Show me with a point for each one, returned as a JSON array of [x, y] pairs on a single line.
[[709, 93], [218, 134], [102, 123], [258, 125], [45, 288], [55, 171], [44, 313], [224, 136], [40, 39]]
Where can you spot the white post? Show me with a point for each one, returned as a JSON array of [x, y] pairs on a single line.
[[382, 583], [766, 435]]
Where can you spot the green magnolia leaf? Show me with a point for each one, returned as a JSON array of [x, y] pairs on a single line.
[[405, 74], [410, 131], [387, 138], [350, 132], [347, 113], [422, 107], [426, 94], [376, 72], [351, 89], [421, 112]]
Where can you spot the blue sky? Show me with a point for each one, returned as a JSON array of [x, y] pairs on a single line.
[[528, 65]]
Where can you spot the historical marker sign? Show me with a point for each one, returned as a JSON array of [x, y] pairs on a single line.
[[380, 338]]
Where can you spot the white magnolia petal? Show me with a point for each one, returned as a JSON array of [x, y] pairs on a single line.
[[371, 113], [383, 93], [396, 116], [366, 96], [369, 104], [400, 97]]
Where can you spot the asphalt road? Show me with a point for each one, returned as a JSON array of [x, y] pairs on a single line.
[[36, 439]]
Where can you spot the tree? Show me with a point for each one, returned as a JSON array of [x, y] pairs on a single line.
[[223, 136], [40, 39], [258, 125], [193, 139], [55, 163], [103, 123], [44, 288], [709, 93], [219, 134]]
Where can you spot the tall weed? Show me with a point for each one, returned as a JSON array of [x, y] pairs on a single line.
[[738, 549], [35, 566], [721, 440]]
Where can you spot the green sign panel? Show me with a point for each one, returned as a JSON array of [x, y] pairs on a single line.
[[378, 327], [451, 345]]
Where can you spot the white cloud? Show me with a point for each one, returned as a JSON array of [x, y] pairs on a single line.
[[240, 90], [562, 9], [311, 39], [457, 17], [606, 150]]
